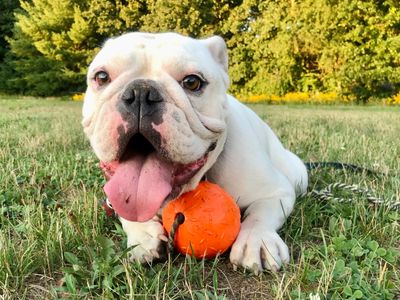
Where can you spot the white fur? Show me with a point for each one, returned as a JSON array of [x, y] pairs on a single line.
[[145, 238], [249, 161], [263, 176]]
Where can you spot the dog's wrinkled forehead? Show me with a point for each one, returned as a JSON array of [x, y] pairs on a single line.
[[144, 54]]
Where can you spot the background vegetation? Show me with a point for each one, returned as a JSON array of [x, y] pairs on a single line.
[[347, 47], [56, 241]]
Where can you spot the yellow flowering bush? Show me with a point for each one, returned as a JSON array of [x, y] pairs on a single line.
[[296, 97], [395, 100], [78, 97], [293, 97]]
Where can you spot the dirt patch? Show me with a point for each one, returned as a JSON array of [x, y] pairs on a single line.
[[240, 284], [39, 286]]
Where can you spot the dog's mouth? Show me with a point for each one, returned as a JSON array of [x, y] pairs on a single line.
[[142, 180]]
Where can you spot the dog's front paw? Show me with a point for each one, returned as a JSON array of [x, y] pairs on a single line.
[[147, 238], [257, 249]]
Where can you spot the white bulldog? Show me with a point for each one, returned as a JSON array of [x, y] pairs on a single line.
[[158, 117]]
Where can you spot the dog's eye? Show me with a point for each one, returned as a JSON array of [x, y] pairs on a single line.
[[102, 78], [192, 83]]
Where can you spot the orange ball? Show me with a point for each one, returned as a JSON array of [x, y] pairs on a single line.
[[211, 221]]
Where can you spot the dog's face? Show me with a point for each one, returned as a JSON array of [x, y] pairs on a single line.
[[154, 113]]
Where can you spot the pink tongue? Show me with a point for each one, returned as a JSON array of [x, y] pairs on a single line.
[[139, 186]]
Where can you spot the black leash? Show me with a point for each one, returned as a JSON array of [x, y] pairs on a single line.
[[179, 219]]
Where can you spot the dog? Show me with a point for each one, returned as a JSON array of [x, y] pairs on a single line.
[[158, 116]]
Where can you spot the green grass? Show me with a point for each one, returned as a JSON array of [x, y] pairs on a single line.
[[55, 241]]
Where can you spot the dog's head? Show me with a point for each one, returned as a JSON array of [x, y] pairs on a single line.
[[155, 115]]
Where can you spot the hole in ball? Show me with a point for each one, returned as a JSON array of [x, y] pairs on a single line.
[[180, 218]]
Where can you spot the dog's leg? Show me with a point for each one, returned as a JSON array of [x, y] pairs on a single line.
[[258, 245], [147, 237]]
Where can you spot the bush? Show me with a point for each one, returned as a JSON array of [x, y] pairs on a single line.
[[349, 47]]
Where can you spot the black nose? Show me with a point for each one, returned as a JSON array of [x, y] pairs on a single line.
[[142, 106], [141, 92]]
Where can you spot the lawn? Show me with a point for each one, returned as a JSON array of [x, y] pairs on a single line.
[[56, 242]]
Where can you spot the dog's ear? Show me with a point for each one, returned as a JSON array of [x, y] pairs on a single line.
[[218, 49]]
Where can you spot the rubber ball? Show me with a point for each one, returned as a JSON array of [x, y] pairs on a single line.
[[211, 221]]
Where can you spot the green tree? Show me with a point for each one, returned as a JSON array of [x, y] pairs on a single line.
[[239, 37], [55, 40], [7, 8], [364, 49], [26, 71], [350, 46], [196, 18]]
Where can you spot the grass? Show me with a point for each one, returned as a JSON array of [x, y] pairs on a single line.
[[56, 242]]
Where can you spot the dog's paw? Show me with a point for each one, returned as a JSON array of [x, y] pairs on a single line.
[[256, 249], [147, 238]]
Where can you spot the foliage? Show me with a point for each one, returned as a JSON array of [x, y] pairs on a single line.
[[348, 47], [7, 8], [339, 46], [30, 72], [299, 97], [78, 97], [394, 100], [52, 47], [353, 267], [105, 272], [105, 267], [315, 98], [193, 18]]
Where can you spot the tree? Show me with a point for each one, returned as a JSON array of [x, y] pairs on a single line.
[[55, 40], [29, 72], [350, 47], [365, 49], [7, 8], [196, 18]]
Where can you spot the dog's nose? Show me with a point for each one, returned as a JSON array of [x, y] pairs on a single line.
[[142, 92]]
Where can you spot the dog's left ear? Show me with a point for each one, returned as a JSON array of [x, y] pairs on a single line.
[[218, 49]]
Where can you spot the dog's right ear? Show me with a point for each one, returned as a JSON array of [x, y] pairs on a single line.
[[218, 49]]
